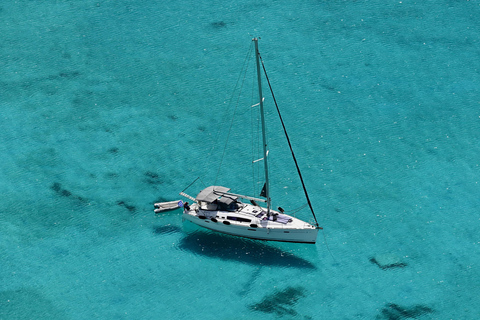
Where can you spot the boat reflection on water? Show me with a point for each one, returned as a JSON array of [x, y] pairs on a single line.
[[225, 247]]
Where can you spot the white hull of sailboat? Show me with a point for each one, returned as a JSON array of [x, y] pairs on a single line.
[[308, 234]]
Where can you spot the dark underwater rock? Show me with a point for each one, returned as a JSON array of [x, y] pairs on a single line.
[[153, 178], [126, 206], [387, 261], [393, 311], [280, 303], [152, 175], [69, 74], [218, 24], [59, 190]]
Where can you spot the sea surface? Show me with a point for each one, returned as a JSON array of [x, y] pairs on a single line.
[[109, 106]]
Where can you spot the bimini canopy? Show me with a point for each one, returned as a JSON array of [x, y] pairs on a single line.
[[211, 193], [217, 198]]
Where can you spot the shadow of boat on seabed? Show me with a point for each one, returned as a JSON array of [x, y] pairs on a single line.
[[240, 250]]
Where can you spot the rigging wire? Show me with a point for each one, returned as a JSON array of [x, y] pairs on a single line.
[[294, 211], [289, 143], [244, 68], [294, 158], [190, 184]]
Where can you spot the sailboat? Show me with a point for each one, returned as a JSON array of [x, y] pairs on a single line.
[[216, 208]]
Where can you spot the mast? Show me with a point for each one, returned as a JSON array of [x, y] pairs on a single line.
[[264, 135]]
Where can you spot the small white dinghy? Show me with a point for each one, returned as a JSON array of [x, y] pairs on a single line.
[[166, 206]]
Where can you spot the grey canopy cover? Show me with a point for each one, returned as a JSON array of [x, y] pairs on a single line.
[[211, 193]]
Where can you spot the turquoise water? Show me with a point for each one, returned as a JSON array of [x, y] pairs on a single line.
[[109, 106]]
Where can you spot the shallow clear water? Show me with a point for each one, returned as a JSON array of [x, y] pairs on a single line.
[[109, 106]]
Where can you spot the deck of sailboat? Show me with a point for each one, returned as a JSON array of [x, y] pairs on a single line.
[[245, 223], [247, 215]]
